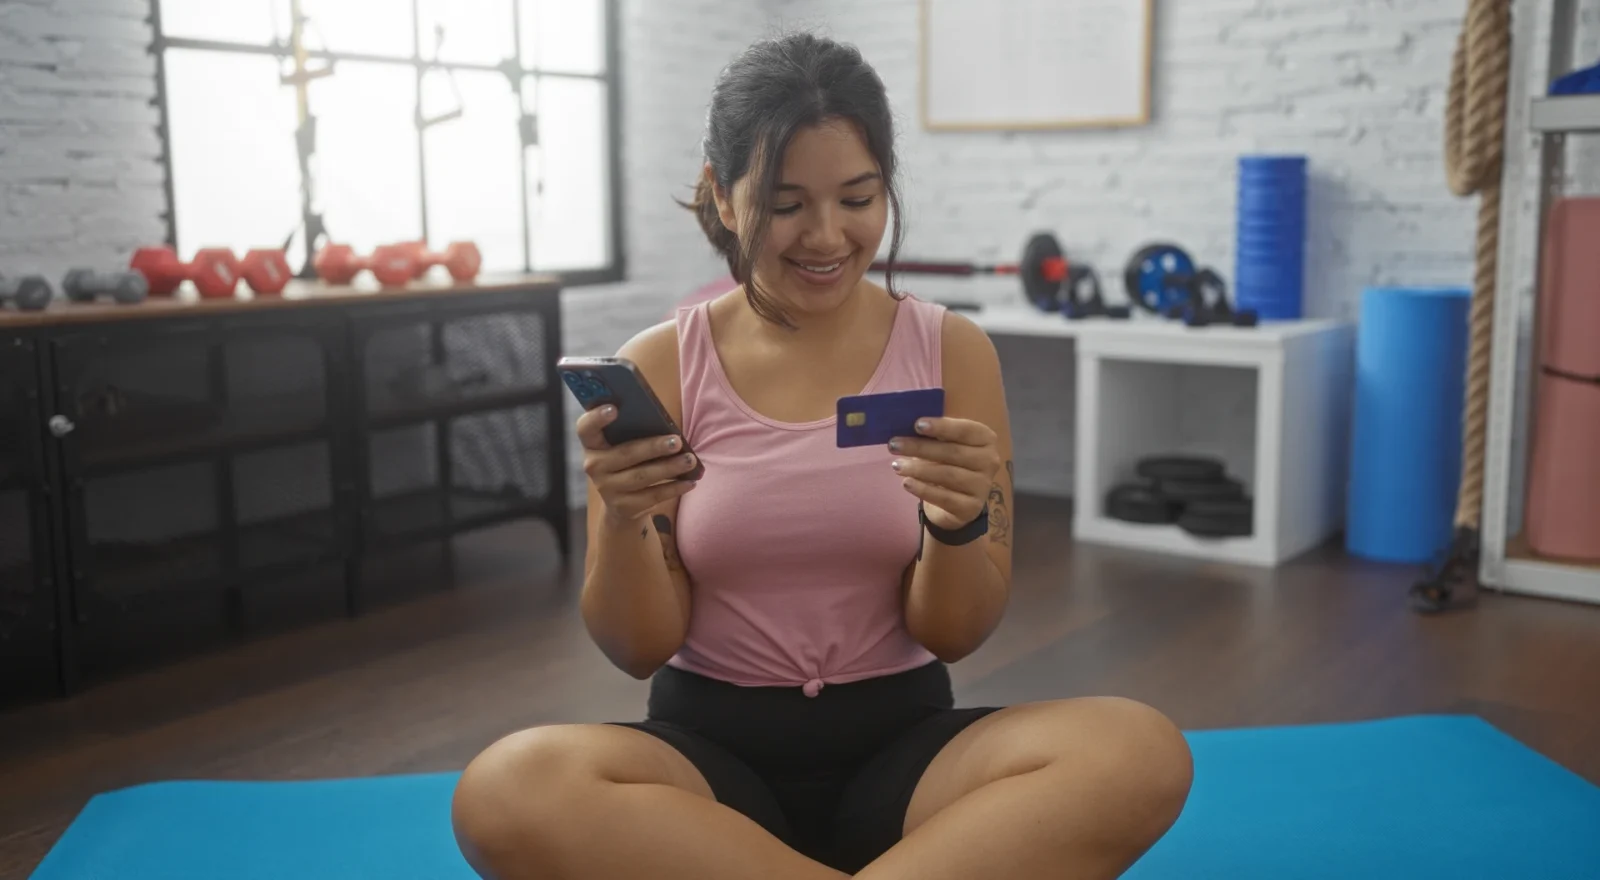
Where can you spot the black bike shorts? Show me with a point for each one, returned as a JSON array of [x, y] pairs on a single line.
[[830, 775]]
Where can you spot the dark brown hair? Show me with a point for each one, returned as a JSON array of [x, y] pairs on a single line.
[[773, 90]]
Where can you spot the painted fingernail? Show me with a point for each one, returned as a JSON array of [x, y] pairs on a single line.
[[897, 464], [671, 443], [688, 458], [608, 410], [894, 445], [922, 425]]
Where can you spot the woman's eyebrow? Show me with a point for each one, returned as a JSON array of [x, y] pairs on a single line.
[[854, 181]]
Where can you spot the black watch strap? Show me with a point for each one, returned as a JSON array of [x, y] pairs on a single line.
[[968, 533]]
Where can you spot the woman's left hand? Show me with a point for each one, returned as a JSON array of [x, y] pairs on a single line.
[[950, 466]]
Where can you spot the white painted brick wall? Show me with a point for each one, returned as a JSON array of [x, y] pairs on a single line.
[[79, 176]]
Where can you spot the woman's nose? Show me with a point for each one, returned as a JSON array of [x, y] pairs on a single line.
[[823, 232]]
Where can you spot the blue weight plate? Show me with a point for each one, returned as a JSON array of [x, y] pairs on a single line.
[[1148, 277]]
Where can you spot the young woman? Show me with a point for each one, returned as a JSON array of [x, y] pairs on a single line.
[[796, 606]]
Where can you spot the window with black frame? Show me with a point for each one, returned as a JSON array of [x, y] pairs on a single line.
[[367, 122]]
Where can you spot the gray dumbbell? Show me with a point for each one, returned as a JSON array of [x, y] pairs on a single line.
[[29, 293], [87, 285]]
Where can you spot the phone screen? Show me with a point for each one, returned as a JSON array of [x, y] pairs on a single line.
[[617, 381]]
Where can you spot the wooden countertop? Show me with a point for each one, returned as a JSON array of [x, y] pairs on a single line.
[[298, 294]]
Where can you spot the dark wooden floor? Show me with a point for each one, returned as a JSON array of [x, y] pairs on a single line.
[[425, 685]]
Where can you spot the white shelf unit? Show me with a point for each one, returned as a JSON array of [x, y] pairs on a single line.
[[1534, 174], [1272, 402], [1566, 114]]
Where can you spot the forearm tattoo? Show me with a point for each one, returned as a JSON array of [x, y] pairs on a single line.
[[669, 543], [999, 514]]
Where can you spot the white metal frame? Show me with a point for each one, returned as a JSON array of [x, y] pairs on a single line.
[[1546, 24]]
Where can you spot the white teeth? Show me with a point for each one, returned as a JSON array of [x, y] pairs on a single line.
[[821, 270]]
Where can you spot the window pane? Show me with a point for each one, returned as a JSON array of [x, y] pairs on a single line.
[[374, 27], [366, 167], [478, 31], [473, 171], [235, 171], [237, 21], [571, 219], [564, 35]]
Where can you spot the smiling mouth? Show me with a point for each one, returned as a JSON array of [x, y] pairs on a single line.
[[817, 268]]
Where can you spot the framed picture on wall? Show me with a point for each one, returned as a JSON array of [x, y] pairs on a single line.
[[1036, 64]]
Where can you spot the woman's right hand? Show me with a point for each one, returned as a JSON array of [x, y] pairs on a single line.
[[635, 477]]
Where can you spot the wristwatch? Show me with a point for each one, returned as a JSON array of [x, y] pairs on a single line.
[[968, 533]]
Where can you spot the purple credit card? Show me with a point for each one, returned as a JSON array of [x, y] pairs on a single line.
[[875, 419]]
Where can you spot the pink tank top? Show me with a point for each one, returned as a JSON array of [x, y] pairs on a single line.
[[796, 548]]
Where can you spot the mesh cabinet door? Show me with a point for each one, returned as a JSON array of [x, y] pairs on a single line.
[[414, 363], [146, 543], [499, 462], [29, 665], [137, 394], [280, 392]]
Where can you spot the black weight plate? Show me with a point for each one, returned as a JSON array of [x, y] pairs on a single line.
[[1141, 504], [1222, 507], [1215, 489], [1180, 467], [1211, 520], [1041, 291]]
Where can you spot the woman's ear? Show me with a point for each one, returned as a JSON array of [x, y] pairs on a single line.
[[724, 200]]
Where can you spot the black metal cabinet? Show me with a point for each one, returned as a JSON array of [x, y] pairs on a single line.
[[199, 458], [173, 482], [29, 643]]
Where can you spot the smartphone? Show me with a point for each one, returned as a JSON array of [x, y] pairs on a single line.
[[875, 419], [596, 381]]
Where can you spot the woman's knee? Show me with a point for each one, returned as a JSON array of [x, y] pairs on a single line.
[[1150, 757], [511, 800]]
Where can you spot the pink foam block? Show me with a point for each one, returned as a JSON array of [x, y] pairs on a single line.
[[1569, 296], [1563, 511], [1563, 514]]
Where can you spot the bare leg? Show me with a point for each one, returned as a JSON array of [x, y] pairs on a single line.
[[1071, 789], [596, 802]]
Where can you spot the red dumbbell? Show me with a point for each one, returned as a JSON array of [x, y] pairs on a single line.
[[392, 264], [266, 270], [461, 259], [214, 271]]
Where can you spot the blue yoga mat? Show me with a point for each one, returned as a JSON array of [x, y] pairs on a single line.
[[1429, 796]]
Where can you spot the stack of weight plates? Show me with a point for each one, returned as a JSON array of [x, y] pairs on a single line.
[[1195, 494]]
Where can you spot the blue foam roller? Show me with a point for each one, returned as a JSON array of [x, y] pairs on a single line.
[[1405, 456], [1269, 254], [1275, 235], [1271, 232], [1274, 253], [1292, 164]]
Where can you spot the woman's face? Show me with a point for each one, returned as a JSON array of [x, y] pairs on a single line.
[[829, 216]]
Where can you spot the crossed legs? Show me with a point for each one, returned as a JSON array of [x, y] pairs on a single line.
[[1073, 789]]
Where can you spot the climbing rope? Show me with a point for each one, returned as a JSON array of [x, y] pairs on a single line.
[[1474, 147]]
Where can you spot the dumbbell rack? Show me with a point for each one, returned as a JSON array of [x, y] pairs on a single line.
[[176, 475], [1541, 50]]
